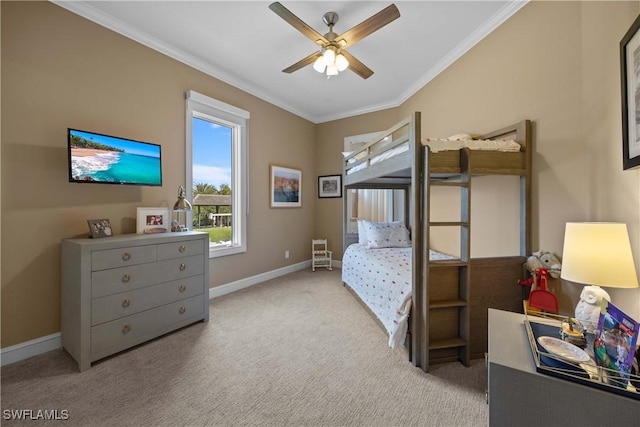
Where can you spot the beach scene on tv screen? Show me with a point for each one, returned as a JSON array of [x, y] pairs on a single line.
[[101, 158]]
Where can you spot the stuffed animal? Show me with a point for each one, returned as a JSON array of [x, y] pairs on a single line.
[[546, 260]]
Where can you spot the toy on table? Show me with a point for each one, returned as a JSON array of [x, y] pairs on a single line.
[[541, 265]]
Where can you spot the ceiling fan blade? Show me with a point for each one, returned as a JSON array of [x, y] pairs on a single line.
[[302, 63], [357, 67], [298, 24], [368, 26]]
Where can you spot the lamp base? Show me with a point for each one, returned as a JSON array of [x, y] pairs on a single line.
[[588, 308]]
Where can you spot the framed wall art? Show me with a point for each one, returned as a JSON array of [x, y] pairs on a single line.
[[285, 187], [329, 186], [99, 228], [153, 220], [630, 77]]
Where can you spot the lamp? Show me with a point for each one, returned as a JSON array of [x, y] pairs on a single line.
[[182, 205], [332, 61], [597, 254]]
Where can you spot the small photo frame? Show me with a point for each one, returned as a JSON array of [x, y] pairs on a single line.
[[99, 228], [329, 186], [153, 220], [630, 79], [285, 187]]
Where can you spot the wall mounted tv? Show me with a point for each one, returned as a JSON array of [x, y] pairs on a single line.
[[103, 159]]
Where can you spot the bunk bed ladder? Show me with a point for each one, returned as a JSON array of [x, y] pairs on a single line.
[[447, 282]]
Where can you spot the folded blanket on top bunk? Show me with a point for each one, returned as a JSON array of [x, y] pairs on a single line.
[[381, 278], [459, 142], [456, 142]]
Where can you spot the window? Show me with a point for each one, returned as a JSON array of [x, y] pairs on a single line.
[[379, 205], [216, 172]]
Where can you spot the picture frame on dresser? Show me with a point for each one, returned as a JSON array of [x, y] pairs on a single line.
[[630, 84], [99, 228], [153, 220]]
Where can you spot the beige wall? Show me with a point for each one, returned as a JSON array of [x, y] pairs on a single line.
[[59, 71], [557, 64]]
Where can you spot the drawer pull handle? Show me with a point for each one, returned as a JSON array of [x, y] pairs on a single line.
[[126, 278], [183, 267], [126, 303], [126, 256], [182, 310], [182, 248], [126, 329], [182, 288]]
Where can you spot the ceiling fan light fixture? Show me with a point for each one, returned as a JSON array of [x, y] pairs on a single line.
[[318, 65], [332, 44], [329, 56], [341, 62]]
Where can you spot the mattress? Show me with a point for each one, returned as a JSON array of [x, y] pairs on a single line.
[[381, 278]]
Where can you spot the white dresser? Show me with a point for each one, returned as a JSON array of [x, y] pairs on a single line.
[[120, 291]]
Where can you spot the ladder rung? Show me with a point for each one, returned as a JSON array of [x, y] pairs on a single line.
[[448, 224], [447, 343], [450, 183], [448, 303], [448, 263]]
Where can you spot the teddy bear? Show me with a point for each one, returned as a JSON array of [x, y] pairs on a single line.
[[546, 260]]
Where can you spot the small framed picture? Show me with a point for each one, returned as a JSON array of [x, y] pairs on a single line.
[[153, 220], [285, 188], [330, 186], [630, 70], [99, 228]]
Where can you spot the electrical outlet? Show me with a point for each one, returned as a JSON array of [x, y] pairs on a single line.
[[286, 254]]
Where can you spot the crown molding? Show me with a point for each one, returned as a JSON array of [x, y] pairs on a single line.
[[466, 45], [85, 10]]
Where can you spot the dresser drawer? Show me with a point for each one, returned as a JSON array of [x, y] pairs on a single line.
[[127, 303], [117, 280], [179, 249], [112, 258], [121, 332]]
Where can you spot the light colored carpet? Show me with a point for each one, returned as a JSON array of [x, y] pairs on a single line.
[[294, 351]]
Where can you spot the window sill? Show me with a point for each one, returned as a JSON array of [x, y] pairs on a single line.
[[216, 251]]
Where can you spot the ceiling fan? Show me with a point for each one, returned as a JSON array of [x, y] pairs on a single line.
[[332, 56]]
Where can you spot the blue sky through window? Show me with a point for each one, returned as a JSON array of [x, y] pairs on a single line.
[[211, 153]]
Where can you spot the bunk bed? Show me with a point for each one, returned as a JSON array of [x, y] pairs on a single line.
[[446, 311]]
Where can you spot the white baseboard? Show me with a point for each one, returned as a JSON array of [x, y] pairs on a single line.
[[27, 349], [18, 352], [228, 288]]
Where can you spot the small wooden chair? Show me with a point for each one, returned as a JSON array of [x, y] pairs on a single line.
[[320, 256]]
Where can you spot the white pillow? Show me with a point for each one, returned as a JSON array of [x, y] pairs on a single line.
[[362, 233], [386, 235]]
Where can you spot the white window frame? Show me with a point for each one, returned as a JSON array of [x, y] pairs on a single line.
[[207, 108], [395, 204]]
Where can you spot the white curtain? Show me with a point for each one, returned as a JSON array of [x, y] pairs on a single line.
[[373, 205]]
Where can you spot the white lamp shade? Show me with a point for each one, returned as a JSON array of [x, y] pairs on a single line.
[[329, 56], [319, 65], [332, 70], [599, 254], [341, 62]]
